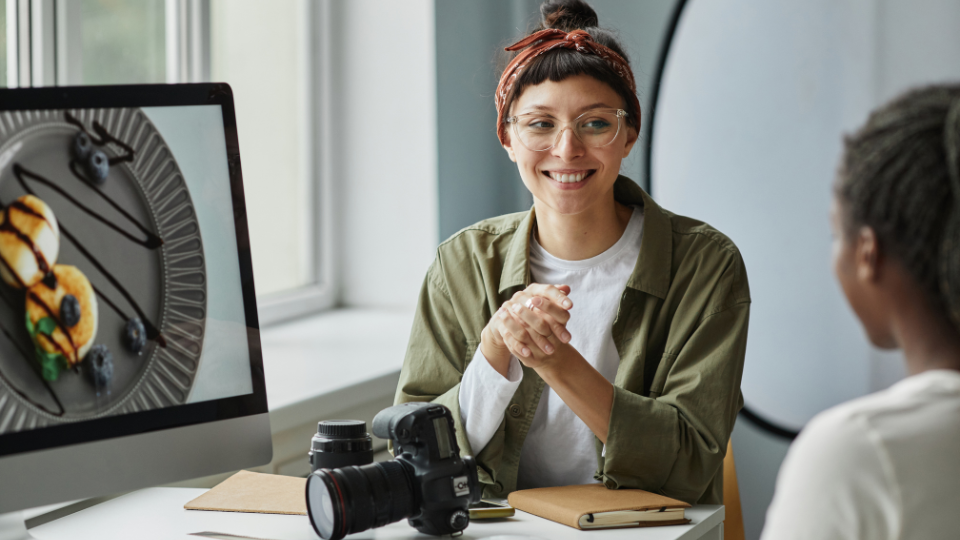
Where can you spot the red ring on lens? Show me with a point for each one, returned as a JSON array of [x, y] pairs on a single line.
[[343, 507]]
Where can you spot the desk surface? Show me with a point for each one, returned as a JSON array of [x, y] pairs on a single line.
[[158, 513]]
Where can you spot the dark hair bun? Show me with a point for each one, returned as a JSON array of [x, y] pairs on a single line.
[[568, 15]]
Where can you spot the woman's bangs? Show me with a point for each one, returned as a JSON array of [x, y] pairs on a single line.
[[561, 64]]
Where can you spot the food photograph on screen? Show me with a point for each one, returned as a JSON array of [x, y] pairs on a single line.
[[118, 256]]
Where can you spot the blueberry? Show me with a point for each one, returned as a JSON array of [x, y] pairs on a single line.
[[69, 311], [98, 167], [81, 146], [99, 363], [134, 335]]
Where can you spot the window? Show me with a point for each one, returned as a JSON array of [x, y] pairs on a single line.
[[3, 43], [111, 42], [265, 50], [256, 47]]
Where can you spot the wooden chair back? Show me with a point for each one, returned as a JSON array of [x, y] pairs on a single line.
[[733, 522]]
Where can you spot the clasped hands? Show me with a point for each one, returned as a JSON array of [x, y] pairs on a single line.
[[531, 326]]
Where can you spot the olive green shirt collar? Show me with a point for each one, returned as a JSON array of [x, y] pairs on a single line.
[[652, 271]]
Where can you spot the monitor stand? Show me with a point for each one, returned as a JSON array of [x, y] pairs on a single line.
[[13, 526]]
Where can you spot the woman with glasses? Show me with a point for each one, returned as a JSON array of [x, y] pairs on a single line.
[[597, 337]]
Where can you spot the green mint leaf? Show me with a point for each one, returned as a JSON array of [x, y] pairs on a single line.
[[49, 373], [46, 325], [50, 364], [30, 327]]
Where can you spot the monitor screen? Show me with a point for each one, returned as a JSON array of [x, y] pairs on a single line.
[[126, 299], [121, 286]]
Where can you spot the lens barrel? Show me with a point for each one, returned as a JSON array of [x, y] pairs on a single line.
[[339, 443], [353, 499]]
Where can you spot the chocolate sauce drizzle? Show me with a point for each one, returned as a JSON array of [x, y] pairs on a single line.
[[8, 226], [152, 331], [102, 138], [19, 205], [152, 242], [12, 273]]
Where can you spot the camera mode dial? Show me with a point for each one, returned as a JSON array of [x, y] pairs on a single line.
[[459, 520]]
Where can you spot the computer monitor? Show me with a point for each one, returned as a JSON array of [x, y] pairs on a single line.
[[129, 343]]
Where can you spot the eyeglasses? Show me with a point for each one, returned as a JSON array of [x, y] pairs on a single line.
[[540, 132]]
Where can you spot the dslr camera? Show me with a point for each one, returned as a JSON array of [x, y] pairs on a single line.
[[427, 482]]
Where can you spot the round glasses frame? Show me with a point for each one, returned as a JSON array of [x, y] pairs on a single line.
[[568, 125]]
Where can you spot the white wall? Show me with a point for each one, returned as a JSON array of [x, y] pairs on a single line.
[[385, 170], [747, 138], [755, 99]]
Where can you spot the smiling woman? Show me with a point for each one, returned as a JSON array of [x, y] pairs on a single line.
[[597, 337], [573, 174]]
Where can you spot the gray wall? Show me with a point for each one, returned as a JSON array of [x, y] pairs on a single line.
[[476, 179], [758, 456]]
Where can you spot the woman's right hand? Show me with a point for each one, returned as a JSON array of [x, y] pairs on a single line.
[[524, 325]]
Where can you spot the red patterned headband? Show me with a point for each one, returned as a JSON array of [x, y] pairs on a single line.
[[548, 40]]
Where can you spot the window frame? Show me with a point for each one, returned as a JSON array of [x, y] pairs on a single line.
[[41, 47]]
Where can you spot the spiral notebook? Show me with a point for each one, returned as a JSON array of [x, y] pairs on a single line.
[[593, 506]]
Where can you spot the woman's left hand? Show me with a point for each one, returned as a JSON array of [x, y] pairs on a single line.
[[540, 310]]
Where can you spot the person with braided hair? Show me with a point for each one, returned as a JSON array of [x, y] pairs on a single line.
[[887, 466], [597, 337]]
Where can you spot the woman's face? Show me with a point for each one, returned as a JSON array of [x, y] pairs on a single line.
[[565, 101], [855, 263]]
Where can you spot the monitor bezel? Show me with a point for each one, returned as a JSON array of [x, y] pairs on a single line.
[[123, 425]]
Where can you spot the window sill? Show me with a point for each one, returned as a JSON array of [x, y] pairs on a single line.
[[331, 362]]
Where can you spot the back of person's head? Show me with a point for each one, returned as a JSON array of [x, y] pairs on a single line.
[[900, 176], [559, 64]]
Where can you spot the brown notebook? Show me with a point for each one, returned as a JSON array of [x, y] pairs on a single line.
[[255, 492], [593, 506]]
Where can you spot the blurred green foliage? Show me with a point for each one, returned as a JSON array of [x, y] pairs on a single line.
[[123, 41]]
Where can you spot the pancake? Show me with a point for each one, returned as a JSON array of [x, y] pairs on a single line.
[[42, 301], [29, 241]]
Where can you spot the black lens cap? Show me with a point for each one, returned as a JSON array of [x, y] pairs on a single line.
[[342, 429]]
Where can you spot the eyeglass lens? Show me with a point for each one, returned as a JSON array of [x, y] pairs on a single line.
[[540, 132]]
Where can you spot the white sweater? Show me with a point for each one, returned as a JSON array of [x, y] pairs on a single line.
[[885, 466], [559, 448]]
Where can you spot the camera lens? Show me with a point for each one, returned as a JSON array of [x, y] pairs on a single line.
[[353, 499], [339, 443], [325, 506]]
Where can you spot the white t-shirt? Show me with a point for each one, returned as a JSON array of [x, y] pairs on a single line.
[[885, 466], [559, 448]]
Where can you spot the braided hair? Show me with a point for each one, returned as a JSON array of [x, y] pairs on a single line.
[[900, 176]]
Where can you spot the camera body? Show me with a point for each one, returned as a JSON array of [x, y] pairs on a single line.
[[427, 482], [444, 483]]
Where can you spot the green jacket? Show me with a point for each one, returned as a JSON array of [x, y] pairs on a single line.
[[680, 330]]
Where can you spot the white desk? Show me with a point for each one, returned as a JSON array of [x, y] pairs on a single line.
[[157, 513]]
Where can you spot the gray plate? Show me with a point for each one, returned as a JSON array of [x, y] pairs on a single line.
[[168, 283]]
